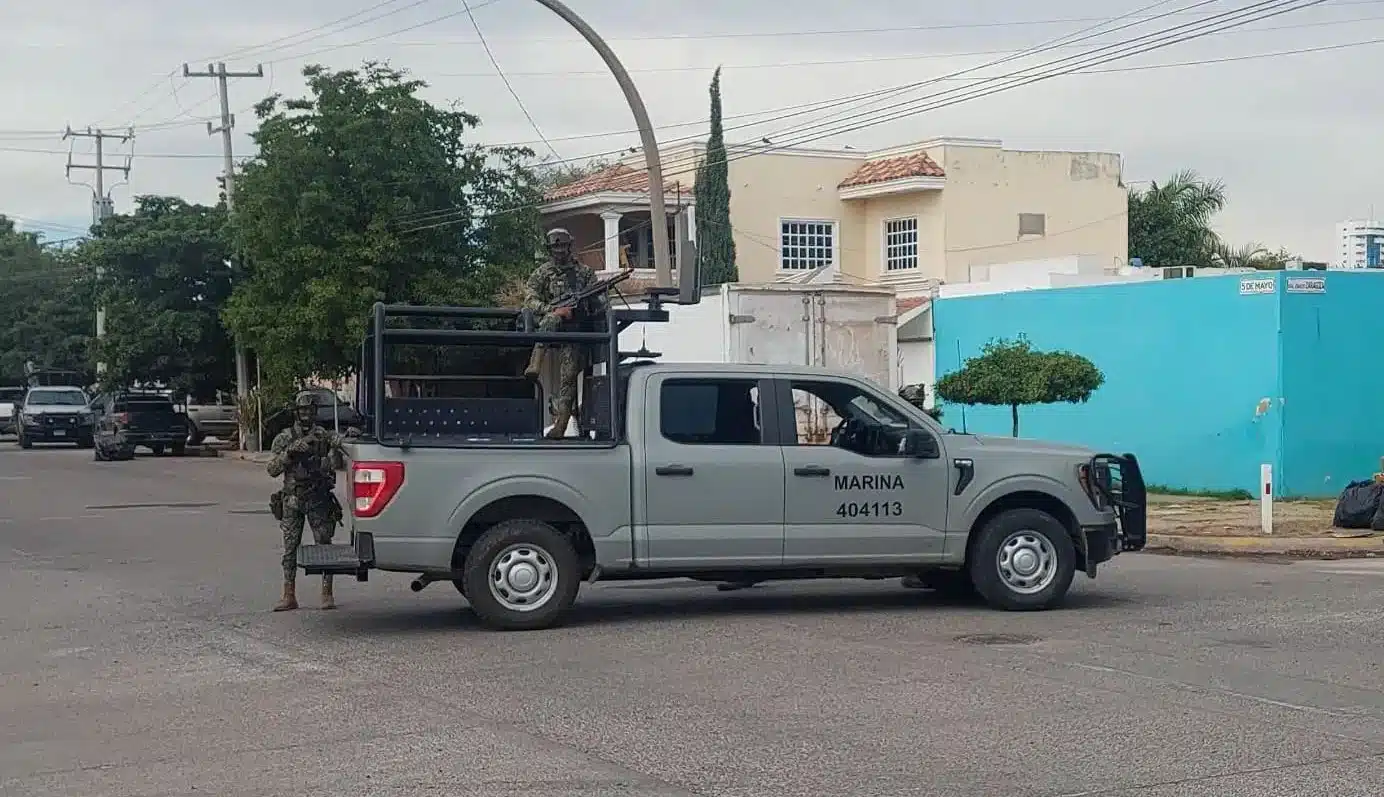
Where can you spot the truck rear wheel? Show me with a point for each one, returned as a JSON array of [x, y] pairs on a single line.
[[1024, 560], [521, 575]]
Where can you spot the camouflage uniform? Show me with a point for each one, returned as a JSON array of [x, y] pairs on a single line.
[[307, 456], [560, 276]]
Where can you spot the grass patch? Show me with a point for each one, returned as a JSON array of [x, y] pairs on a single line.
[[1223, 495]]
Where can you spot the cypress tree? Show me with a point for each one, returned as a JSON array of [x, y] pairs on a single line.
[[715, 245]]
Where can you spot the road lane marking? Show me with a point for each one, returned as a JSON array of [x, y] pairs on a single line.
[[159, 505]]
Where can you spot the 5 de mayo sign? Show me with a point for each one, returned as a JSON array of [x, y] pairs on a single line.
[[1257, 285]]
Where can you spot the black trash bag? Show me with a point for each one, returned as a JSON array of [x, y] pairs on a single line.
[[1359, 507]]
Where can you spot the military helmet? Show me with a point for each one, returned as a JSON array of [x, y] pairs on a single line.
[[559, 237], [305, 399]]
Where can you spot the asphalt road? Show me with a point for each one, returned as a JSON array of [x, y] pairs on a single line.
[[138, 657]]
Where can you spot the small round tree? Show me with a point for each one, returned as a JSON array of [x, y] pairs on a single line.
[[1011, 373]]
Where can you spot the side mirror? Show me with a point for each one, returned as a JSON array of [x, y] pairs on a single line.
[[920, 444]]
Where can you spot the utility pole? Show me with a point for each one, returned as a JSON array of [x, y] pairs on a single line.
[[242, 372], [101, 206]]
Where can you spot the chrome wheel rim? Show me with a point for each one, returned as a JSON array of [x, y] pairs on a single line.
[[523, 578], [1027, 562]]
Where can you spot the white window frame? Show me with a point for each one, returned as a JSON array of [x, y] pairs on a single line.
[[885, 259], [835, 226]]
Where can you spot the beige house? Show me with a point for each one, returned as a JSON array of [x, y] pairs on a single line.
[[908, 217]]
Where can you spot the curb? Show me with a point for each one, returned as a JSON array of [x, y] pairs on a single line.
[[1283, 547]]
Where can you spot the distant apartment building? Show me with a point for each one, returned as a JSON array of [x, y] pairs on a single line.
[[909, 217], [1360, 244]]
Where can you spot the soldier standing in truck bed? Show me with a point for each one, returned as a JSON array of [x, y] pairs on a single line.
[[560, 276]]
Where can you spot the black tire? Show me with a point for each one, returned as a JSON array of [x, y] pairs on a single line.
[[86, 442], [157, 448], [1031, 529], [179, 449], [461, 587], [533, 539], [25, 443]]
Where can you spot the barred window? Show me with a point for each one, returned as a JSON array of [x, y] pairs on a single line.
[[901, 244], [806, 244]]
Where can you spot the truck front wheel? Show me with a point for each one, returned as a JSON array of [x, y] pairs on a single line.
[[521, 575], [1023, 560]]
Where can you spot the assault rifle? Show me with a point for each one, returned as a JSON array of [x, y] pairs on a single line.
[[600, 287]]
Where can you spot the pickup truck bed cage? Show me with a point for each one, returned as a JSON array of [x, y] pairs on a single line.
[[479, 421]]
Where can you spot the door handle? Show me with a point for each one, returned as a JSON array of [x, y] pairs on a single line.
[[811, 470], [673, 470]]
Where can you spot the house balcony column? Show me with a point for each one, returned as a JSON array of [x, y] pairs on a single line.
[[612, 238]]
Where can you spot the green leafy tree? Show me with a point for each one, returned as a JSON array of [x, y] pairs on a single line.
[[715, 244], [165, 280], [47, 308], [364, 192], [1170, 224], [1011, 373]]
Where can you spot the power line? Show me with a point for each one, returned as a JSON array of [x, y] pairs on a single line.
[[242, 52], [801, 33], [1203, 27], [1113, 70], [1179, 33], [268, 46], [928, 56], [510, 86], [176, 122]]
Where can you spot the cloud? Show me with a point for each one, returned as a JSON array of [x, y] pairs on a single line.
[[1291, 136]]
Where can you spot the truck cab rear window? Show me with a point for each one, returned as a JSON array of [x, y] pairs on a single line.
[[710, 411]]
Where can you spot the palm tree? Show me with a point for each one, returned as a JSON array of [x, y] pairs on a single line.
[[1170, 224], [1251, 255]]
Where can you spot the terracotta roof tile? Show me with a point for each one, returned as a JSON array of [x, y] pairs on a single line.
[[915, 165], [618, 178]]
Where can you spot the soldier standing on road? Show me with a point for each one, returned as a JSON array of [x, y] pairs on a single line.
[[307, 456], [560, 276]]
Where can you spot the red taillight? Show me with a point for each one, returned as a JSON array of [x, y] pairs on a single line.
[[373, 484]]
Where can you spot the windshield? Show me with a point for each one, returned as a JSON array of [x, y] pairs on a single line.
[[58, 398]]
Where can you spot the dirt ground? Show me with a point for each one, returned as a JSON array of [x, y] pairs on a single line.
[[1205, 517]]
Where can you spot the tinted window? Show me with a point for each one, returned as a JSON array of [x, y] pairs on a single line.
[[143, 404], [11, 393], [710, 411], [61, 398]]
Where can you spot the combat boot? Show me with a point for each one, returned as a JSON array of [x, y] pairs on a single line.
[[559, 429], [289, 601], [535, 362], [328, 600]]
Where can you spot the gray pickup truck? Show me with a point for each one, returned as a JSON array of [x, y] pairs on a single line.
[[736, 474]]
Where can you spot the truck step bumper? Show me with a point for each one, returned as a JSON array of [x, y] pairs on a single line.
[[356, 559]]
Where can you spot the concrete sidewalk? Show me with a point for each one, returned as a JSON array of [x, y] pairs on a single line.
[[1286, 547]]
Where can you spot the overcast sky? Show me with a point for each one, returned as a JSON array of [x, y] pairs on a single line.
[[1294, 137]]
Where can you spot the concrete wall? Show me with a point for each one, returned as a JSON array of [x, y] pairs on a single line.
[[1186, 364], [1333, 384], [988, 187]]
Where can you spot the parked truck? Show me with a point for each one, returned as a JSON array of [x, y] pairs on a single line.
[[704, 471]]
